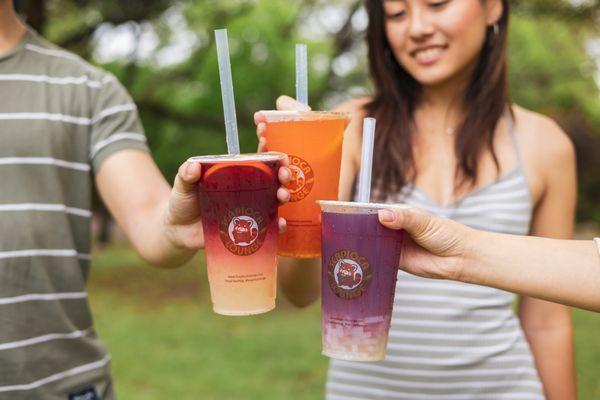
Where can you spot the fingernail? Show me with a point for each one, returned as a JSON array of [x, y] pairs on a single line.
[[189, 170], [386, 216]]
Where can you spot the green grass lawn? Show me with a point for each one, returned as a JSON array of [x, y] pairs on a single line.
[[167, 343]]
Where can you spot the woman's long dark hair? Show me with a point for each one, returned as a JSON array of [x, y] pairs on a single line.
[[397, 95]]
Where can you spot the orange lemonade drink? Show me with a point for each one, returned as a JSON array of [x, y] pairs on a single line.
[[313, 142]]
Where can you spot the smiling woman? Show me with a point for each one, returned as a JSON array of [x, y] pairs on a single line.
[[440, 67], [418, 44]]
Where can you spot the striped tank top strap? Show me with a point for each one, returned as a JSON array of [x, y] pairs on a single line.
[[510, 126]]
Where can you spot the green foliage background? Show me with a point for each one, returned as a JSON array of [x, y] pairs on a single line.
[[180, 103]]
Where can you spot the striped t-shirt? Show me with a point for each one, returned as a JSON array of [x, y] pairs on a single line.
[[60, 118]]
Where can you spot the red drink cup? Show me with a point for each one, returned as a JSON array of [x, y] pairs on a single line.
[[239, 207]]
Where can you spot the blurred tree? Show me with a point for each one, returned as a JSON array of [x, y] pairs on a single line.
[[163, 52]]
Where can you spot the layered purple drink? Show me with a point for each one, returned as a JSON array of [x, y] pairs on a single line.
[[360, 264]]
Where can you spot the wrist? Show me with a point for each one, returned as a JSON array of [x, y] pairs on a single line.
[[170, 232], [471, 263], [173, 250]]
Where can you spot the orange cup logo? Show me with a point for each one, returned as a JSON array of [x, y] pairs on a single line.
[[243, 231], [349, 274], [302, 180]]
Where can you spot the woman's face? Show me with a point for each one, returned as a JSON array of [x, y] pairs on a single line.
[[437, 41]]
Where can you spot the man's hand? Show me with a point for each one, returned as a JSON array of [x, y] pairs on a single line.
[[183, 222]]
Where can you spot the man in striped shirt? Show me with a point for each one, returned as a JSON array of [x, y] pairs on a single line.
[[62, 124]]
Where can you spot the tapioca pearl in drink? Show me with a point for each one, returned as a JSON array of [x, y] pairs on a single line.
[[359, 340]]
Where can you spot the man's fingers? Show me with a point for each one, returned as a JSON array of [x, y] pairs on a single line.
[[283, 195], [286, 163], [282, 225], [187, 177], [286, 103], [284, 175]]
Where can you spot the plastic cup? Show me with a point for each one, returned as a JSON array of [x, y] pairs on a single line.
[[313, 142], [360, 265], [238, 202]]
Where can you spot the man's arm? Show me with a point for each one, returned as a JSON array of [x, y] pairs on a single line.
[[164, 232], [163, 223]]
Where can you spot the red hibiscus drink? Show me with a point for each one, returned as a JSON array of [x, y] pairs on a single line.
[[360, 265], [238, 202]]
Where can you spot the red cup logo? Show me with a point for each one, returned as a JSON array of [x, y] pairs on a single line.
[[302, 180], [243, 231], [349, 274]]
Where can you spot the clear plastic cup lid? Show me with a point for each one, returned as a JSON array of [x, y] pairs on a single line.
[[283, 116], [224, 158], [355, 207]]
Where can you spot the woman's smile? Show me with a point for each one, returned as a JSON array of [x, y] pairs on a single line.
[[428, 55]]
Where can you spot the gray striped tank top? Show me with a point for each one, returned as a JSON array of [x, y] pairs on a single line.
[[452, 340]]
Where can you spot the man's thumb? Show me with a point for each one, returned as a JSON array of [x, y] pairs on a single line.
[[187, 178]]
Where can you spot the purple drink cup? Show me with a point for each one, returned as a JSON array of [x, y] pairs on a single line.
[[360, 265]]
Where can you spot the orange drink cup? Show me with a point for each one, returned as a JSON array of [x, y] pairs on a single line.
[[313, 142], [238, 202]]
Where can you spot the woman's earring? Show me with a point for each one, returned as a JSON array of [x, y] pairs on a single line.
[[496, 29]]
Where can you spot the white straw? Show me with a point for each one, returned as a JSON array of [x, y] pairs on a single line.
[[233, 143], [366, 161], [301, 74]]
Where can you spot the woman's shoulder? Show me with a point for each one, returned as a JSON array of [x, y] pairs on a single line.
[[542, 139]]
